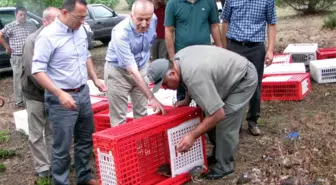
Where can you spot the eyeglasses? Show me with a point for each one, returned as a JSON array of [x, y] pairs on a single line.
[[77, 17]]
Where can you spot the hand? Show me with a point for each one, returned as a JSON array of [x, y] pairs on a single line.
[[181, 103], [66, 100], [8, 51], [186, 142], [269, 58], [100, 85], [157, 106]]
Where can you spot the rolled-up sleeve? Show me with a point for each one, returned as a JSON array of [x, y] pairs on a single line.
[[271, 13], [121, 45], [42, 51], [226, 14]]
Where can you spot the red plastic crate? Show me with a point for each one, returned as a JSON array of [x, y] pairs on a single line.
[[286, 87], [100, 105], [325, 53], [102, 119], [282, 58], [130, 154]]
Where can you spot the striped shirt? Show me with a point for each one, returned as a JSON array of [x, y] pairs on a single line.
[[248, 18], [17, 34]]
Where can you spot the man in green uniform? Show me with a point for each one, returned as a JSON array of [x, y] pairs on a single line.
[[221, 82]]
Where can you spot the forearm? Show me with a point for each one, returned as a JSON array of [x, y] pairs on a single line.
[[43, 79], [216, 35], [140, 82], [225, 27], [271, 32], [169, 37], [90, 69], [3, 41], [208, 123]]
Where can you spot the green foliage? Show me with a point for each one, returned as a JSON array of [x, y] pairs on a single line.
[[307, 6], [7, 153], [2, 167], [37, 6], [329, 21], [44, 181], [130, 3], [4, 136]]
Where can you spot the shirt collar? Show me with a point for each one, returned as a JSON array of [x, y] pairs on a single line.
[[17, 23], [189, 1], [64, 27]]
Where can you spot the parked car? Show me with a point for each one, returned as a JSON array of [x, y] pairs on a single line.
[[7, 15], [102, 20]]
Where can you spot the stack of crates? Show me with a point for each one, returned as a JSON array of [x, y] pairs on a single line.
[[286, 87], [130, 154], [302, 52], [323, 71], [325, 53]]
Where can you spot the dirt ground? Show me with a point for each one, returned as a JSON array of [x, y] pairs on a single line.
[[267, 159]]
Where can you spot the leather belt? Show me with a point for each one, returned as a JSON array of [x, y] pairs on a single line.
[[75, 89], [246, 44]]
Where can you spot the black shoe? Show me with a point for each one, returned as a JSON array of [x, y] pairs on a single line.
[[253, 128], [213, 175]]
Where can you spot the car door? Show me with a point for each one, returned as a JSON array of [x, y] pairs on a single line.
[[5, 18], [104, 19]]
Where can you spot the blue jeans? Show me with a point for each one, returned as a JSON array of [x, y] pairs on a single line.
[[66, 125]]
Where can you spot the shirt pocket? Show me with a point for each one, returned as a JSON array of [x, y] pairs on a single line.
[[82, 47]]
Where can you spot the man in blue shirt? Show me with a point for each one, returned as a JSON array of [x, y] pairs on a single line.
[[126, 63], [61, 65], [244, 29]]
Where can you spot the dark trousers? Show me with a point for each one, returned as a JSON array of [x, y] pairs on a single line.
[[67, 125], [256, 55]]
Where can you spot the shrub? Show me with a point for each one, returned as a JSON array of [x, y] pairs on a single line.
[[307, 6], [329, 21]]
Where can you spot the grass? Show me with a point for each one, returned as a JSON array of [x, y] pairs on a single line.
[[4, 136], [43, 181], [7, 153], [2, 168]]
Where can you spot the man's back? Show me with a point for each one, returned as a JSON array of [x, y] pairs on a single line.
[[222, 67]]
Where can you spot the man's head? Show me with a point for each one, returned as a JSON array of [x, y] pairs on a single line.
[[73, 13], [49, 15], [20, 14], [165, 73], [142, 13]]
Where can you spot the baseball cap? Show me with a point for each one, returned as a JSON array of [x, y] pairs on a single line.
[[157, 71]]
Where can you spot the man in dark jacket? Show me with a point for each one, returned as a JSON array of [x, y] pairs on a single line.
[[39, 128]]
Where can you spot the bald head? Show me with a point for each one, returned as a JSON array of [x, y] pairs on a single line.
[[142, 13], [49, 15], [141, 6]]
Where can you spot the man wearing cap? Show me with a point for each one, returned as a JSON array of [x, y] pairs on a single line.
[[221, 83]]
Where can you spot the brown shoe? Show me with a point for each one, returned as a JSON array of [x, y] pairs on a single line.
[[90, 182], [253, 129]]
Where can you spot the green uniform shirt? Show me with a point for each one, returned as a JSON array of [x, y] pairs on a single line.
[[191, 21], [210, 74]]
